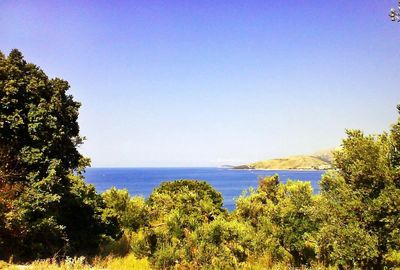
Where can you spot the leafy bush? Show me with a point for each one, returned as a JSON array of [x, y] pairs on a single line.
[[220, 244], [176, 210], [282, 216], [132, 212]]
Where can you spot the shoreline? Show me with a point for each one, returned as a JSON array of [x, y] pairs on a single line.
[[259, 169]]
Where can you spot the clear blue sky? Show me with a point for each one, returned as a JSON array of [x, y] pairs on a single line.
[[204, 83]]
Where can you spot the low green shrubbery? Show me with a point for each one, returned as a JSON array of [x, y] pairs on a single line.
[[353, 223]]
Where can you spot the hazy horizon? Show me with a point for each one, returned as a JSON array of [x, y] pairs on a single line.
[[203, 84]]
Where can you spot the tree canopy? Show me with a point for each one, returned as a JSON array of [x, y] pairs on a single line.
[[47, 208], [360, 202]]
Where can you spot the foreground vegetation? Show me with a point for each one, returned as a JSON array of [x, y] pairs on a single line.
[[50, 218], [81, 263]]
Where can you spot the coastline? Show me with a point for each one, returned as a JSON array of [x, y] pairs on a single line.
[[260, 169]]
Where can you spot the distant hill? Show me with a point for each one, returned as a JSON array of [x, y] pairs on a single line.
[[325, 155], [318, 161]]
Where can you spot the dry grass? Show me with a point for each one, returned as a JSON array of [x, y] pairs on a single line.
[[79, 263]]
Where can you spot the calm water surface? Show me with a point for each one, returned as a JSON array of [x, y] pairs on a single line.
[[231, 183]]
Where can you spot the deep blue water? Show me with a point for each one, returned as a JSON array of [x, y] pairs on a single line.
[[231, 183]]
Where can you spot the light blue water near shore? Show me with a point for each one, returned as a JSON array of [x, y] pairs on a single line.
[[231, 183]]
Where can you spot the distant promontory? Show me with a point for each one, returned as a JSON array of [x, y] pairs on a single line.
[[318, 161]]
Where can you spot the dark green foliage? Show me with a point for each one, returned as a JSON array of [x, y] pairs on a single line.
[[38, 120], [54, 211]]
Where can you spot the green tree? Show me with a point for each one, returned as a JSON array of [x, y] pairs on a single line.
[[132, 212], [360, 202], [282, 216], [54, 212], [176, 210], [343, 240], [220, 244]]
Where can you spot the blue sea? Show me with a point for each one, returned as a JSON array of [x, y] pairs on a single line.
[[231, 183]]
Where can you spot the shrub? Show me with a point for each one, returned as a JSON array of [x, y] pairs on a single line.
[[131, 212], [282, 216], [177, 209], [220, 244]]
